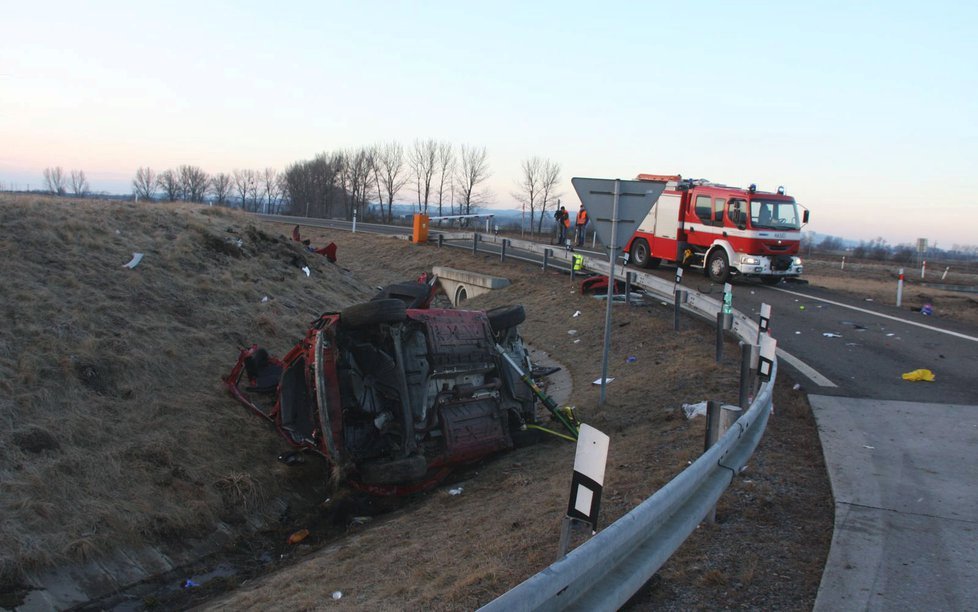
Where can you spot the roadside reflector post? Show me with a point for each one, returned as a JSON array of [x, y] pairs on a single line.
[[900, 288], [546, 258], [586, 483], [843, 262], [727, 308], [923, 268], [944, 276], [765, 363], [502, 250], [763, 321]]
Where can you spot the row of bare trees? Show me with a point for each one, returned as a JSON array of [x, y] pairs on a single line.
[[339, 183], [58, 183], [256, 190], [445, 178], [537, 188]]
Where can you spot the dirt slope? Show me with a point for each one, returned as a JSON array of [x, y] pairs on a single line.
[[116, 431]]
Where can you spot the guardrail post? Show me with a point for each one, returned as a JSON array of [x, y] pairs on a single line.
[[746, 374], [680, 297], [628, 288], [475, 243], [719, 336], [502, 252], [546, 258], [712, 435], [441, 240]]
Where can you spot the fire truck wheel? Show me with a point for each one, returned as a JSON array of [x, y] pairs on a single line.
[[717, 266], [641, 256]]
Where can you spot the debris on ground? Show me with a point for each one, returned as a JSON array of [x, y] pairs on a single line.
[[455, 491], [298, 536], [831, 335], [136, 258], [921, 374]]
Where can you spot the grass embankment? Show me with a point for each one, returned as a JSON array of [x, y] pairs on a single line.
[[114, 427]]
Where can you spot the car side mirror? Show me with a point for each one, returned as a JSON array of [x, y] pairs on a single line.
[[804, 217]]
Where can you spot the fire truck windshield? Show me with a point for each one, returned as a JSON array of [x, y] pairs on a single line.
[[768, 214]]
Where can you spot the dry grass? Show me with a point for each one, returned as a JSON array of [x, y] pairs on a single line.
[[114, 430], [878, 282]]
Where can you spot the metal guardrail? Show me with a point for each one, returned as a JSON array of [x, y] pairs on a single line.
[[605, 571]]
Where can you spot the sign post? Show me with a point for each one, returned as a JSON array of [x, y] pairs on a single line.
[[616, 208]]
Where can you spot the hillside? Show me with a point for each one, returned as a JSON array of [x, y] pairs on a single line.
[[116, 431]]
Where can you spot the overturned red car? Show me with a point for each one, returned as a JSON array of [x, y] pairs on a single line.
[[394, 393]]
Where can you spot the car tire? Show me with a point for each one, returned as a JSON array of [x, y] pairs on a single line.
[[372, 313], [717, 266], [504, 317]]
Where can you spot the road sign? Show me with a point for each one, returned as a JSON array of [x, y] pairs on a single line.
[[635, 200], [616, 208]]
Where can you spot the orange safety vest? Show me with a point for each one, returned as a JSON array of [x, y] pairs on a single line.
[[582, 217]]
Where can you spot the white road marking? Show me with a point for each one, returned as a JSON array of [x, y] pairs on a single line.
[[805, 369], [879, 314]]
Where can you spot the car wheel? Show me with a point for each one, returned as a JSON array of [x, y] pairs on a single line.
[[371, 313], [504, 317], [717, 266], [639, 253], [394, 471]]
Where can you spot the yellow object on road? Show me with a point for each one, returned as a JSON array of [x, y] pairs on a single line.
[[921, 374]]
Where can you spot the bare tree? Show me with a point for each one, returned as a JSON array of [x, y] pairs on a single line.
[[472, 171], [144, 185], [271, 187], [388, 168], [549, 179], [423, 159], [446, 170], [194, 183], [169, 182], [313, 187], [244, 184], [531, 175], [356, 178], [79, 184], [221, 187], [54, 180]]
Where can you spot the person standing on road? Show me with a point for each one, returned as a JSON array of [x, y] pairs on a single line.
[[581, 223], [562, 217]]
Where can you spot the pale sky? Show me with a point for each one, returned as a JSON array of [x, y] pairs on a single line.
[[865, 112]]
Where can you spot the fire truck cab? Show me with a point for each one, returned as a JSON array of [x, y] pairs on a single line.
[[726, 231]]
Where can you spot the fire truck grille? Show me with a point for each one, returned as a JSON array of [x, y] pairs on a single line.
[[781, 263]]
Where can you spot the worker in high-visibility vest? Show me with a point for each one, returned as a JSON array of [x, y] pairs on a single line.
[[581, 223]]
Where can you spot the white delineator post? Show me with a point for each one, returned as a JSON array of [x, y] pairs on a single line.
[[843, 262], [900, 288], [923, 268], [944, 276]]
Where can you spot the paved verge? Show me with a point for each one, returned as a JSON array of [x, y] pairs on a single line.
[[905, 481]]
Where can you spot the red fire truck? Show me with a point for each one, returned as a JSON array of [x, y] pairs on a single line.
[[726, 231]]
